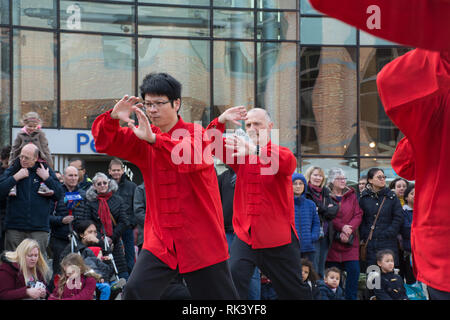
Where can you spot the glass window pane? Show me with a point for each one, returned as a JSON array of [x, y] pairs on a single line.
[[173, 21], [105, 63], [34, 76], [328, 101], [4, 11], [91, 16], [278, 88], [350, 167], [233, 24], [167, 55], [277, 25], [378, 135], [326, 31], [233, 3], [306, 8], [368, 39], [277, 4], [5, 98], [34, 13], [384, 164], [234, 75], [179, 2]]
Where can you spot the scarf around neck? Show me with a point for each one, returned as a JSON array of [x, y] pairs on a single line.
[[104, 213]]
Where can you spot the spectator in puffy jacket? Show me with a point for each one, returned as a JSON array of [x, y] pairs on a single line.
[[139, 207], [391, 284], [344, 251], [389, 221], [307, 220], [329, 286], [108, 211], [28, 213], [405, 231]]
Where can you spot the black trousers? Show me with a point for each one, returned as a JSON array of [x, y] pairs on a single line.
[[436, 294], [282, 265], [150, 278]]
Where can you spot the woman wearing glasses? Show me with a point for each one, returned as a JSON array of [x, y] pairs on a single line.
[[108, 211], [389, 220]]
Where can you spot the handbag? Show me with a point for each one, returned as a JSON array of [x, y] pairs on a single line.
[[363, 245]]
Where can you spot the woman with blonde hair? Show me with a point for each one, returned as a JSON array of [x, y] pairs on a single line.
[[23, 272], [327, 209]]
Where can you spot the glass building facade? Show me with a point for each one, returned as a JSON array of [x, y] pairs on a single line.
[[72, 60]]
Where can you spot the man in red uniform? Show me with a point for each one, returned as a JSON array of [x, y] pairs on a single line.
[[263, 208], [415, 92], [183, 231]]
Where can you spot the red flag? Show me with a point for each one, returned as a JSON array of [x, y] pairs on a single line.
[[417, 23]]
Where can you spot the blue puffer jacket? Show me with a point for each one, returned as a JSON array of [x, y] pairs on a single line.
[[28, 211], [307, 220]]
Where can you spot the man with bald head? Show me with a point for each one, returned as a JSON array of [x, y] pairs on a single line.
[[263, 207], [28, 213], [61, 220]]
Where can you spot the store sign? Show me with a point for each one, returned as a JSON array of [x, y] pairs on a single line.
[[67, 141]]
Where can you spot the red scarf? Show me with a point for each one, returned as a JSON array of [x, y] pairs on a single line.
[[104, 213]]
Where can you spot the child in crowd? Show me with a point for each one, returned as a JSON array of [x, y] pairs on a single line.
[[391, 285], [32, 133], [102, 266], [310, 277], [77, 281], [329, 286]]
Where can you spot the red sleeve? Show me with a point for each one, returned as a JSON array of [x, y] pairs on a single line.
[[8, 290], [412, 88], [275, 159], [120, 142], [403, 161], [416, 23]]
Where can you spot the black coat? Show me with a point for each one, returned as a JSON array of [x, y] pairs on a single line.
[[28, 210], [391, 287], [388, 224], [227, 181], [126, 192], [327, 294], [326, 212], [58, 228]]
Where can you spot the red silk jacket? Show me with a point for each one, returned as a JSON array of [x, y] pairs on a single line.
[[184, 220], [263, 208], [415, 91]]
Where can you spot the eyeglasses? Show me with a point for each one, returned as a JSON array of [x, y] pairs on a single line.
[[342, 179], [381, 177], [157, 105], [98, 184]]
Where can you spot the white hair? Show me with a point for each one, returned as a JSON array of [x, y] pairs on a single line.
[[333, 173]]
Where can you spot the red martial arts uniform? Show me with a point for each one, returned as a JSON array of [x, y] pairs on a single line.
[[184, 220], [263, 203], [415, 91]]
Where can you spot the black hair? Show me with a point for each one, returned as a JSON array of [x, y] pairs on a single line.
[[313, 276], [6, 150], [393, 182], [83, 162], [382, 253], [408, 190], [161, 84], [371, 173], [81, 226], [332, 269]]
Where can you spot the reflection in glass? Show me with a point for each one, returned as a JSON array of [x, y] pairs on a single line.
[[34, 13], [234, 73], [378, 135], [91, 16], [5, 83], [277, 25], [326, 31], [233, 3], [306, 8], [188, 62], [366, 39], [278, 88], [233, 24], [4, 11], [173, 21], [328, 101], [34, 76], [95, 72], [385, 164], [277, 4], [350, 167], [179, 2]]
